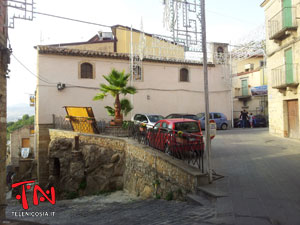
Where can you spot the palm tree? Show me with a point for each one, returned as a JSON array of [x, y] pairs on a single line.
[[117, 85]]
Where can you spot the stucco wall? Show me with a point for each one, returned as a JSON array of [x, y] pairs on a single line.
[[160, 84], [148, 173]]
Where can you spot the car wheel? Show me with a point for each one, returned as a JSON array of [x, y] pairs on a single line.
[[224, 126]]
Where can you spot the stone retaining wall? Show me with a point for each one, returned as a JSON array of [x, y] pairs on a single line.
[[147, 172]]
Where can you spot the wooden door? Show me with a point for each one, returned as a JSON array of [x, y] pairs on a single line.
[[25, 143], [293, 118]]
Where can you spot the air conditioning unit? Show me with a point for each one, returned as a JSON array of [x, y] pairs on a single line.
[[249, 66]]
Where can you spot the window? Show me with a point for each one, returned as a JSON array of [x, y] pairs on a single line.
[[86, 71], [137, 73], [220, 50], [217, 116], [184, 75]]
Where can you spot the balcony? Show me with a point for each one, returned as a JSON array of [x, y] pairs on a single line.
[[242, 93], [283, 22], [285, 76]]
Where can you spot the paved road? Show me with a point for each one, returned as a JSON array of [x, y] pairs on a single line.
[[262, 180], [262, 177]]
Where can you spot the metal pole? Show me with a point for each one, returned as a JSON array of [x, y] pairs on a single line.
[[231, 95], [205, 71], [131, 68]]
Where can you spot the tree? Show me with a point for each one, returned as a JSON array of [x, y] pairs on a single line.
[[117, 84]]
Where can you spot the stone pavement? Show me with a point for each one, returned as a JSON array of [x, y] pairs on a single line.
[[262, 178], [112, 210], [261, 184]]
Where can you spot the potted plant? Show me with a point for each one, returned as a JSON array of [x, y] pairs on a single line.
[[143, 127], [117, 85], [90, 120], [180, 138], [67, 118]]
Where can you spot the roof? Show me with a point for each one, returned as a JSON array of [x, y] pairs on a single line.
[[264, 3], [177, 120], [54, 50]]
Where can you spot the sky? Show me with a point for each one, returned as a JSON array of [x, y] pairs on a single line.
[[226, 20]]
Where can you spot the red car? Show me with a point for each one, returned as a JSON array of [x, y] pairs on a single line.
[[176, 136]]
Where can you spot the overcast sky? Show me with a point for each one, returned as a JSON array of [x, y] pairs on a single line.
[[227, 20]]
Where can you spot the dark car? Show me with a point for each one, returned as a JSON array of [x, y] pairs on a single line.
[[260, 121], [181, 116]]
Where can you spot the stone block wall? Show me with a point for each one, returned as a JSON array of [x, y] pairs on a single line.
[[105, 163]]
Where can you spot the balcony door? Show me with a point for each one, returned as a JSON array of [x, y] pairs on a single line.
[[287, 13], [288, 57], [244, 87]]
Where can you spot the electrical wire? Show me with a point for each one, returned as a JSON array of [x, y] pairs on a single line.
[[33, 74]]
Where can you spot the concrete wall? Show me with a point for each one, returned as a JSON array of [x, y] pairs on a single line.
[[148, 172]]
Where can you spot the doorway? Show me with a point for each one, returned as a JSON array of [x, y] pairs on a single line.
[[293, 118]]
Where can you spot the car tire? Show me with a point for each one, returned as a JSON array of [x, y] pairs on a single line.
[[224, 126]]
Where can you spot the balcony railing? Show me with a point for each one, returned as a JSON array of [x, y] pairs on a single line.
[[283, 21], [285, 76], [242, 93]]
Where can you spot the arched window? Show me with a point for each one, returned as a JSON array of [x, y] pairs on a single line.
[[86, 71], [220, 50], [184, 75]]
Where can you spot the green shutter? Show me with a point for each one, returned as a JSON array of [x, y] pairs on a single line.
[[287, 13], [244, 87], [288, 55]]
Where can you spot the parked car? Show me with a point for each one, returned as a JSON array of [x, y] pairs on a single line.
[[165, 136], [260, 121], [182, 115], [219, 118], [148, 119]]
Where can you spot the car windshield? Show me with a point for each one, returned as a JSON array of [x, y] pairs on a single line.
[[190, 127], [155, 118], [200, 115]]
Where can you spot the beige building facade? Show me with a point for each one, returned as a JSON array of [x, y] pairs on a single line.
[[283, 54], [70, 74], [249, 86]]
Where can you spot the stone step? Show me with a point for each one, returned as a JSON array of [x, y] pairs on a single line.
[[194, 198], [211, 192]]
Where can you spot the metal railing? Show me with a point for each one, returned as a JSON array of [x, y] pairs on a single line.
[[284, 19], [188, 147], [284, 76], [242, 92]]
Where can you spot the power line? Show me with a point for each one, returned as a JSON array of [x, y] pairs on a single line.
[[33, 74]]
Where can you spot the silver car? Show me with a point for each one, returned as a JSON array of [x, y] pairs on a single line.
[[148, 119]]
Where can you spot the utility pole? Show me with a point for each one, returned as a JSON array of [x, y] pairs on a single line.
[[206, 95], [24, 6], [4, 60]]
